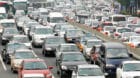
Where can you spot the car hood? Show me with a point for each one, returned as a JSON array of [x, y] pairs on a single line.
[[116, 62], [35, 71], [91, 77], [74, 63], [132, 74], [51, 45], [17, 61], [43, 35]]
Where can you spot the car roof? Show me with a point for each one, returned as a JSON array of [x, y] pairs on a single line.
[[20, 36], [88, 66], [25, 50], [131, 61], [113, 45], [94, 39], [72, 53], [33, 60], [7, 21], [67, 44]]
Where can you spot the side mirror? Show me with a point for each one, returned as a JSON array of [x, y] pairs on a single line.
[[56, 34], [50, 67], [131, 55], [106, 74]]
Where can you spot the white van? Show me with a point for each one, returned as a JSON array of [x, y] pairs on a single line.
[[55, 18], [3, 13], [116, 18]]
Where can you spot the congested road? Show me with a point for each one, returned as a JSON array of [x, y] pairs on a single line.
[[5, 71], [36, 20]]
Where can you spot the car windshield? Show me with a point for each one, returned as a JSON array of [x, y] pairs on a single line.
[[131, 67], [15, 46], [21, 39], [69, 48], [57, 20], [109, 28], [6, 25], [73, 57], [24, 55], [135, 39], [11, 31], [90, 72], [54, 40], [33, 77], [65, 27], [43, 31], [74, 33], [117, 19], [37, 65], [90, 44], [117, 53], [124, 30]]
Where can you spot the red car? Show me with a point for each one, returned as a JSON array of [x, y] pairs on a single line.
[[34, 68]]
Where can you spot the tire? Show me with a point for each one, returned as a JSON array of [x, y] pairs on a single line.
[[61, 75], [7, 62], [13, 71], [44, 53]]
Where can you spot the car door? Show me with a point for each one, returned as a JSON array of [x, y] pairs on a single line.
[[101, 57]]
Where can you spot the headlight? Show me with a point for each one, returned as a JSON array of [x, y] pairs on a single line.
[[48, 48], [64, 67], [16, 64], [110, 65], [4, 38], [127, 76]]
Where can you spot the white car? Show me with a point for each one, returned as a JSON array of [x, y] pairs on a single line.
[[88, 46], [108, 30], [119, 30], [64, 47], [5, 23], [22, 39], [128, 69], [40, 33], [134, 41], [88, 71]]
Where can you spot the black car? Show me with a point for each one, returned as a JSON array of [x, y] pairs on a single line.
[[111, 55], [7, 34], [50, 44], [9, 50], [68, 62]]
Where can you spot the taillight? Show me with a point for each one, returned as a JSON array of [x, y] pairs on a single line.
[[116, 34], [49, 75], [132, 45], [106, 33]]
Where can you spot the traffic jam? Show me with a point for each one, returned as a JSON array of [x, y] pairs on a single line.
[[59, 39]]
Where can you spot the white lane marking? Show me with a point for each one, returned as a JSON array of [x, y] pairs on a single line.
[[4, 66]]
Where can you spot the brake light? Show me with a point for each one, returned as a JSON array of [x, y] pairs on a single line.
[[132, 45], [116, 34], [106, 33], [49, 75]]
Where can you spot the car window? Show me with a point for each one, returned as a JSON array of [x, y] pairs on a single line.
[[117, 53]]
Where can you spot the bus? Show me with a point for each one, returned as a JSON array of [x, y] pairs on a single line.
[[20, 5], [116, 18]]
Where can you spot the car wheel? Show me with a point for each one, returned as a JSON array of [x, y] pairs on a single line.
[[58, 72], [13, 71], [7, 62], [61, 75], [44, 53], [91, 62]]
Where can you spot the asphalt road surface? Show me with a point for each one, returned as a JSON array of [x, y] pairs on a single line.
[[5, 71]]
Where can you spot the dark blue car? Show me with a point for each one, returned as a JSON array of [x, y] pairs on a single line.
[[111, 55]]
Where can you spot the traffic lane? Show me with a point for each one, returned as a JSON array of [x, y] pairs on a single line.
[[134, 51], [50, 61]]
